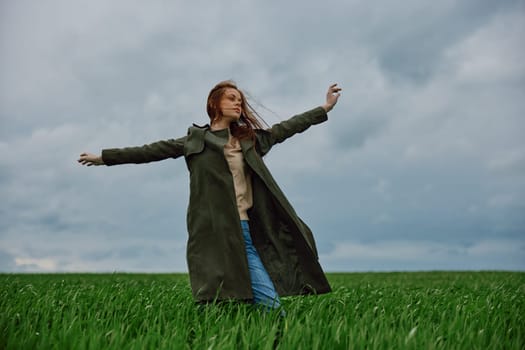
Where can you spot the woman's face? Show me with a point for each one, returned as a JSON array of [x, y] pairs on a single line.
[[230, 105]]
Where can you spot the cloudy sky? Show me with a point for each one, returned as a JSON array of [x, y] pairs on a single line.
[[421, 165]]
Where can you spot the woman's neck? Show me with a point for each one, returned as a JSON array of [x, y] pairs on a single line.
[[220, 125]]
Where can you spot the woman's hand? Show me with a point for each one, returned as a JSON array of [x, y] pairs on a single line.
[[90, 159], [331, 97]]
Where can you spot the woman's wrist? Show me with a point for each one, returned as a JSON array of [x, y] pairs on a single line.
[[327, 107]]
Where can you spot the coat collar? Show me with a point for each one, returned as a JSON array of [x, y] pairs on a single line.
[[246, 145], [196, 136]]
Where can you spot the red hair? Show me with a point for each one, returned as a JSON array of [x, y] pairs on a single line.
[[249, 120]]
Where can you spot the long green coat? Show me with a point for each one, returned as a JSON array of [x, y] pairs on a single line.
[[216, 255]]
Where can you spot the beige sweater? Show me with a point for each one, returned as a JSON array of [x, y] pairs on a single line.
[[241, 176]]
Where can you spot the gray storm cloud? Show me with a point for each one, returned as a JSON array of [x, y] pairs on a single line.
[[420, 166]]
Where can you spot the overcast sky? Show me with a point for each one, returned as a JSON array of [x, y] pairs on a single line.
[[421, 165]]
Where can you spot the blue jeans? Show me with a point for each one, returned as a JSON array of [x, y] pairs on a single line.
[[264, 292]]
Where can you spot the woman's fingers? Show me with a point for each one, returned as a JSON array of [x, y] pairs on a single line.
[[82, 158], [334, 89], [331, 97], [87, 159], [333, 93]]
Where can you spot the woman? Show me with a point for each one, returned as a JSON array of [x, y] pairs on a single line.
[[245, 240]]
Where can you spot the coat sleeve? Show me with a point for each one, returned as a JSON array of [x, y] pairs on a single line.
[[296, 124], [160, 150]]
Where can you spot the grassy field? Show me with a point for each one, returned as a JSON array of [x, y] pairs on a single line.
[[422, 310]]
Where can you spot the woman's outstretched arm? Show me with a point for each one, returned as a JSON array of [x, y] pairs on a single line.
[[160, 150], [299, 123]]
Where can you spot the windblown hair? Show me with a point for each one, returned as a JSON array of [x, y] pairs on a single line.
[[249, 121]]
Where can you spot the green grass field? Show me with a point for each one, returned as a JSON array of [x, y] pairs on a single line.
[[420, 310]]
